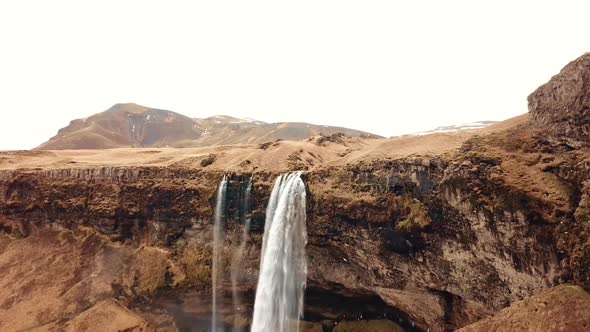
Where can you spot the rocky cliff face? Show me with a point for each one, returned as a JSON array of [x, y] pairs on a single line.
[[561, 107], [432, 243], [428, 243]]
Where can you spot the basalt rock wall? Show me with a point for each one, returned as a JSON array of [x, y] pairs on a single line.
[[442, 242]]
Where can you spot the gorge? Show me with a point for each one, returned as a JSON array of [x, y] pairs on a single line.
[[475, 230]]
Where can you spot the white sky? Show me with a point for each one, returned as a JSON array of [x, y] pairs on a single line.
[[388, 67]]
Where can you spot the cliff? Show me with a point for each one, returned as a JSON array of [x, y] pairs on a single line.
[[429, 240], [561, 107]]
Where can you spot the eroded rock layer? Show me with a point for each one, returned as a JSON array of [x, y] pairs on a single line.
[[414, 240], [441, 241]]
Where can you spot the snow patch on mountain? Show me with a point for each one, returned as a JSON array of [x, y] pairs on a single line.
[[455, 128]]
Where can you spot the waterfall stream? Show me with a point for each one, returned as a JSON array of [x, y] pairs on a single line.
[[283, 266], [217, 268], [237, 259]]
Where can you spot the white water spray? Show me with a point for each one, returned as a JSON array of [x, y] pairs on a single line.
[[283, 266], [217, 268]]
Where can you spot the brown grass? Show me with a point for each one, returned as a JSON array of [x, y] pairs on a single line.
[[277, 157], [195, 261], [151, 265], [210, 159], [413, 215]]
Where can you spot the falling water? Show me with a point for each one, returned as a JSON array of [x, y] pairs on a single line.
[[237, 266], [283, 267], [217, 268]]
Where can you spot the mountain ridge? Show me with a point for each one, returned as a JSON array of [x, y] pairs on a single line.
[[133, 125]]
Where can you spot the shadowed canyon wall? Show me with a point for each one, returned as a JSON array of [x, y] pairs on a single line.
[[442, 242], [430, 243]]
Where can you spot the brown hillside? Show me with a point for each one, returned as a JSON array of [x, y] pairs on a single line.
[[318, 151], [563, 308], [132, 125]]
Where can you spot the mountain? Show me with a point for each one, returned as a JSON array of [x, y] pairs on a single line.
[[132, 125]]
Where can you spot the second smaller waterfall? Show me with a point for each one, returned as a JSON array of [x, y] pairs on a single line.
[[217, 268], [237, 260]]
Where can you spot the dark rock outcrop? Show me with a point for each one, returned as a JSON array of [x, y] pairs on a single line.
[[561, 107]]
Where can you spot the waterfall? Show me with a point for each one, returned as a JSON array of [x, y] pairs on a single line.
[[217, 268], [237, 266], [283, 266]]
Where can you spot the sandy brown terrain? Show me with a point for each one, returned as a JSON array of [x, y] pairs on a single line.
[[277, 156]]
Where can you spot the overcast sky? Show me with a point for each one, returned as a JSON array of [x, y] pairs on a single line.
[[387, 67]]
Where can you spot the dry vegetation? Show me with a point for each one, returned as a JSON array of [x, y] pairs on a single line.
[[523, 166], [210, 159], [412, 215], [195, 260], [153, 266], [563, 308], [278, 156]]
